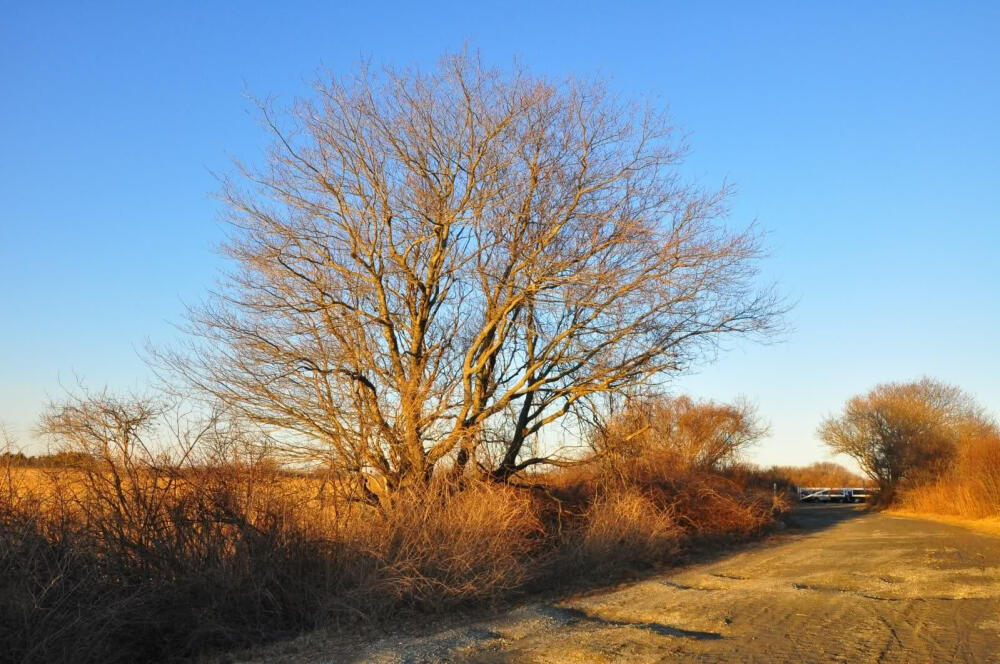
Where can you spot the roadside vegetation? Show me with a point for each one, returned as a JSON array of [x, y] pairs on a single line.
[[433, 375], [969, 488], [930, 447], [140, 552]]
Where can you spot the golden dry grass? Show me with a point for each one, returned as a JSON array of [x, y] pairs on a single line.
[[988, 526], [145, 562], [970, 490]]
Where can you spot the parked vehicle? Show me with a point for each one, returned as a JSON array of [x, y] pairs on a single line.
[[857, 495], [835, 495], [821, 496]]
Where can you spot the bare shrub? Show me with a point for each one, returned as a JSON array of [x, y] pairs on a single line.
[[136, 555], [715, 505], [679, 432], [819, 474], [449, 546], [677, 450], [628, 528]]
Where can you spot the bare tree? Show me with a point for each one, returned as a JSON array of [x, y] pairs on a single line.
[[900, 430], [428, 259], [702, 435]]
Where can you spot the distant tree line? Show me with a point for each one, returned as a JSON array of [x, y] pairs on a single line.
[[49, 460], [820, 474]]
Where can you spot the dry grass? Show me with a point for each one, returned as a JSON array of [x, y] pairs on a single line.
[[627, 528], [988, 526], [131, 559], [969, 490]]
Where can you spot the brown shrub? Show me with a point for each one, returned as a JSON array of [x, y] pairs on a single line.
[[626, 528], [79, 581], [444, 546], [697, 435], [969, 489]]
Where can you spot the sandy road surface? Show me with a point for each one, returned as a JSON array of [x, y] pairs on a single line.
[[841, 585]]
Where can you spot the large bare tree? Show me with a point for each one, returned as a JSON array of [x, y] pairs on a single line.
[[427, 261]]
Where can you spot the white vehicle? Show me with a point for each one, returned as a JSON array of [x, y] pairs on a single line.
[[814, 495], [834, 495]]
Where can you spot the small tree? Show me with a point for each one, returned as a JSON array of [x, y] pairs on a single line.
[[701, 435], [900, 431], [428, 261]]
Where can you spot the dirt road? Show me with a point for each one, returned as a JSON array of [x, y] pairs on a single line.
[[841, 585]]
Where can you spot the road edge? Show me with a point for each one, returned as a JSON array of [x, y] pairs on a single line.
[[989, 526]]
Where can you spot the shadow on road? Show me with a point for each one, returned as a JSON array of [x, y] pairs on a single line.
[[848, 583], [446, 634], [806, 517], [568, 616], [803, 519]]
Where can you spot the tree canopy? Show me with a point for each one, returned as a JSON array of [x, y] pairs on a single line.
[[433, 267], [899, 430]]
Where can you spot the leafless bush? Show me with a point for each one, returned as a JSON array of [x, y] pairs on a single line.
[[475, 543], [676, 432], [135, 554], [626, 528]]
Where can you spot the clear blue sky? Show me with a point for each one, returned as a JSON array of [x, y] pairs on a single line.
[[862, 136]]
